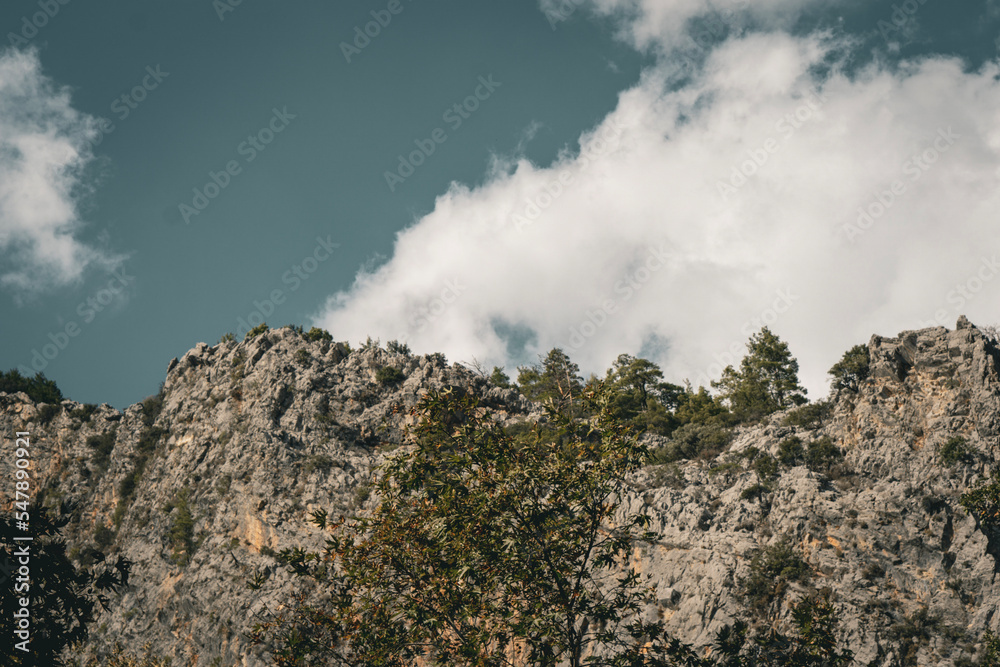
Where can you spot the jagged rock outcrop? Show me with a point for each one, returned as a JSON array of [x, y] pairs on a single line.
[[251, 436], [913, 574]]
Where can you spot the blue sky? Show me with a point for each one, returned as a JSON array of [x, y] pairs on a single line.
[[491, 180]]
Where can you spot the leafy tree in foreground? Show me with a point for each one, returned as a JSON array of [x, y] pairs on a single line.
[[767, 381], [483, 551], [61, 596], [814, 643]]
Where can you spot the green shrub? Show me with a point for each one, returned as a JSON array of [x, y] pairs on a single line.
[[990, 656], [983, 502], [916, 630], [102, 445], [318, 462], [149, 439], [771, 570], [229, 337], [954, 451], [790, 451], [755, 492], [933, 504], [362, 493], [47, 412], [104, 537], [766, 466], [695, 441], [181, 533], [317, 335], [303, 358], [822, 454], [84, 412], [388, 375], [152, 406], [256, 331], [397, 347], [809, 416]]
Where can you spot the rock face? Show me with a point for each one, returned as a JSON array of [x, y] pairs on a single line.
[[201, 490]]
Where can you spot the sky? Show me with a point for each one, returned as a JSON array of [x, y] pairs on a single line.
[[491, 180]]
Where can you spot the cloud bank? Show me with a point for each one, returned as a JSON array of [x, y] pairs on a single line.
[[826, 207], [44, 148]]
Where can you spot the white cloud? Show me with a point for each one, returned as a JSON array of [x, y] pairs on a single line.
[[44, 147], [785, 238], [666, 25]]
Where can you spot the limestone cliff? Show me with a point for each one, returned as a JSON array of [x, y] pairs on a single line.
[[246, 438]]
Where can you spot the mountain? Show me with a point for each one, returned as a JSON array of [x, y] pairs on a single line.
[[200, 485]]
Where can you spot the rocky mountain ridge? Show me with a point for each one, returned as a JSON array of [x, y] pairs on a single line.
[[200, 485]]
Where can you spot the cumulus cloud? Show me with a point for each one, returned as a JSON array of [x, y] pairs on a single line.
[[825, 206], [44, 148]]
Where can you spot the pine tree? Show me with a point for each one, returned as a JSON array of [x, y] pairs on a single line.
[[767, 381], [556, 379]]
